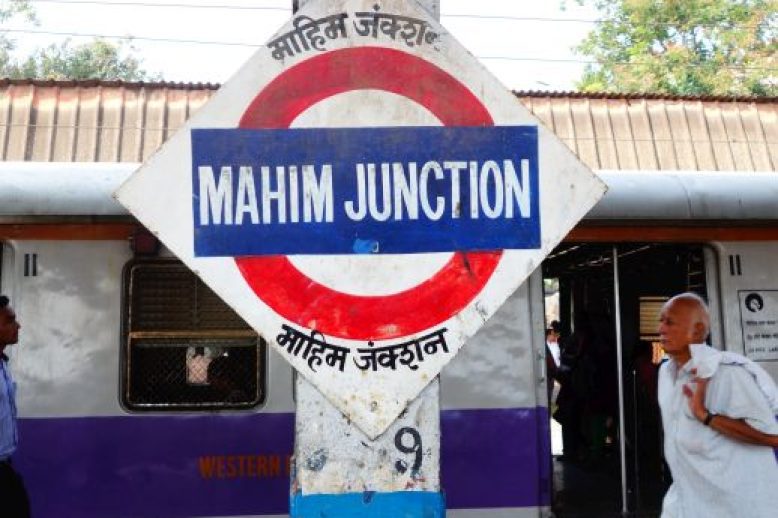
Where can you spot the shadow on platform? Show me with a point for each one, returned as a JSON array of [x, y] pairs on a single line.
[[588, 490]]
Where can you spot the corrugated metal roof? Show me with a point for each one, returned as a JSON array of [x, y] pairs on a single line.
[[92, 122], [88, 121], [692, 134]]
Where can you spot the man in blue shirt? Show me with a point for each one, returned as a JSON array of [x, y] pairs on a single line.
[[13, 495]]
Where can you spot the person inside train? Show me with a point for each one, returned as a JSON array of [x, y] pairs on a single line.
[[598, 387], [553, 334], [718, 413], [13, 494], [552, 358], [569, 401], [222, 375]]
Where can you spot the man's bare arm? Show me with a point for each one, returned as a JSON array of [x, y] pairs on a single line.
[[737, 429]]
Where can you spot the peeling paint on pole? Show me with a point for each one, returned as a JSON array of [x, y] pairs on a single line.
[[334, 457]]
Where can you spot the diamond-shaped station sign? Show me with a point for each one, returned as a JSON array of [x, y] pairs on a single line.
[[365, 195]]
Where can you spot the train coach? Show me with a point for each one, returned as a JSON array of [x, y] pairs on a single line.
[[120, 343]]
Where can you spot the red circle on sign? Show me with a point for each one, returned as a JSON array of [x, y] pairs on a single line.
[[300, 299]]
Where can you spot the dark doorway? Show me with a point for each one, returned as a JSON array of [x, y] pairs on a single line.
[[588, 476]]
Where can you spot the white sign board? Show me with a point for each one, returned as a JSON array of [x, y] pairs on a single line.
[[365, 195], [759, 322]]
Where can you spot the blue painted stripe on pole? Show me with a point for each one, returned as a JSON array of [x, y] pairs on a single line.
[[369, 504]]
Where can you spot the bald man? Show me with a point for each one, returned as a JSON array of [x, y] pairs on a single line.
[[719, 422]]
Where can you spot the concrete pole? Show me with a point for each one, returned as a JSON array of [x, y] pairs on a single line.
[[338, 472], [433, 6]]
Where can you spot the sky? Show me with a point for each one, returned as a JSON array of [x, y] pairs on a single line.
[[525, 43]]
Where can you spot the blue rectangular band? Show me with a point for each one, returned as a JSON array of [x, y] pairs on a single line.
[[408, 504]]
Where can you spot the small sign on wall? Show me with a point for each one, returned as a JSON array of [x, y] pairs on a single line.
[[759, 323]]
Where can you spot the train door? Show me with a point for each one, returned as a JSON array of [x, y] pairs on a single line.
[[609, 297]]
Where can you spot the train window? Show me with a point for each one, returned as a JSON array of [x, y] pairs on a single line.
[[650, 308], [184, 348], [648, 323]]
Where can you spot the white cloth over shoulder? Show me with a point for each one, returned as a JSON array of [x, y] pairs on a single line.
[[706, 360], [715, 476]]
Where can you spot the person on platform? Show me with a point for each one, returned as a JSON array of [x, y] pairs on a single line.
[[14, 501], [718, 413], [552, 358]]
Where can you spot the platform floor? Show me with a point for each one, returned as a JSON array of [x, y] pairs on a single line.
[[587, 491]]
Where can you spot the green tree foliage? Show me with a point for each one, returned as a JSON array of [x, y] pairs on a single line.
[[9, 9], [684, 47], [98, 59]]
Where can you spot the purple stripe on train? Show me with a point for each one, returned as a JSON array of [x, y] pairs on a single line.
[[177, 466], [495, 458], [144, 465]]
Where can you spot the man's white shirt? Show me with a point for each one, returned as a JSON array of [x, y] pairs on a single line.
[[713, 475]]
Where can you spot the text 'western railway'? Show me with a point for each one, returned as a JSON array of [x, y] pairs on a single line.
[[366, 190]]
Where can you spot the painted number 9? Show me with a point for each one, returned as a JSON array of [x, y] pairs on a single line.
[[415, 447]]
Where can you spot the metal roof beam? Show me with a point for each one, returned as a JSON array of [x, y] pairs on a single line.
[[86, 189]]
